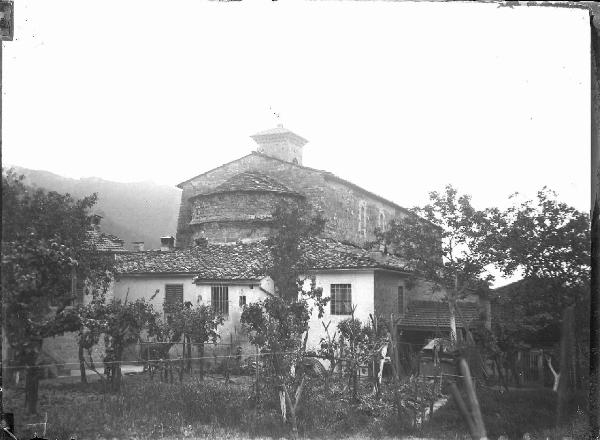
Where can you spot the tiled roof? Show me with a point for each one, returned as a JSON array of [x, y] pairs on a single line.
[[251, 181], [214, 261], [327, 253], [437, 314], [99, 241], [247, 260]]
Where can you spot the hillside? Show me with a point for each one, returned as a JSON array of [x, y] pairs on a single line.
[[139, 211]]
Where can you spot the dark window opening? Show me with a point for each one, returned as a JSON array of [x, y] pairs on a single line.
[[219, 299], [242, 300], [173, 299], [401, 300]]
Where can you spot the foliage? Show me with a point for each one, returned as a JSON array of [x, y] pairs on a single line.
[[43, 245], [362, 343], [547, 242], [417, 394], [544, 239], [445, 248], [122, 325], [329, 347], [295, 224], [210, 409], [199, 323], [277, 324], [441, 243]]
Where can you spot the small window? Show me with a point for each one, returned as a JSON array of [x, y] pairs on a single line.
[[242, 300], [341, 299], [401, 300], [219, 299], [174, 294]]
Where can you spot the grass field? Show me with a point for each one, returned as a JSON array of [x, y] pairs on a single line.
[[213, 409]]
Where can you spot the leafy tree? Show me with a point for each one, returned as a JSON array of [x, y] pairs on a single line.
[[542, 238], [441, 244], [43, 240], [329, 347], [548, 243], [122, 325], [196, 325], [363, 343], [277, 324]]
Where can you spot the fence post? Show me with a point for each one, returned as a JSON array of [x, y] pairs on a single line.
[[257, 377], [540, 366]]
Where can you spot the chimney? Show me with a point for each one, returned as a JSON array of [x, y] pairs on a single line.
[[167, 243], [138, 246], [95, 222], [201, 242], [377, 255]]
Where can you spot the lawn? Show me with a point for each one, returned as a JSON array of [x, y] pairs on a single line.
[[213, 409]]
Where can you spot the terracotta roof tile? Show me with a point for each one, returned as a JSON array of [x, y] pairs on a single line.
[[250, 182], [99, 241], [437, 314], [248, 260]]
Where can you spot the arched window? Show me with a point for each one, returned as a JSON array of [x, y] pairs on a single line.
[[362, 219], [382, 221]]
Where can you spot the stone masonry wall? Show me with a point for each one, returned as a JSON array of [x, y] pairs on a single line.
[[226, 231], [339, 202], [303, 180], [234, 206]]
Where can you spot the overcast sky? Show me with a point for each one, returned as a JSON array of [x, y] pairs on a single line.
[[399, 98]]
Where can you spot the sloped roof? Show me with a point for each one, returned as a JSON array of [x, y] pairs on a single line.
[[214, 261], [437, 314], [101, 242], [247, 260], [326, 174], [327, 253], [251, 182]]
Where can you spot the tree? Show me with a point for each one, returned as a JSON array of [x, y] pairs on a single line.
[[548, 243], [196, 325], [441, 244], [43, 239], [363, 344], [278, 323], [122, 325]]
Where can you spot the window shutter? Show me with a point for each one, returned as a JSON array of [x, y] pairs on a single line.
[[174, 294]]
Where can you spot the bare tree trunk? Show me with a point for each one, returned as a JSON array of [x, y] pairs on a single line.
[[32, 378], [116, 369], [189, 355], [294, 406], [201, 356], [565, 385], [501, 372], [82, 364], [554, 373], [452, 310]]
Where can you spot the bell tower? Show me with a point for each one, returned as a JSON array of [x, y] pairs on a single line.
[[280, 143]]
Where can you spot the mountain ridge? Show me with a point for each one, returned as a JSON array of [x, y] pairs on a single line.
[[133, 211]]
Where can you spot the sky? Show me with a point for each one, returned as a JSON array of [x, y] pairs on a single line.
[[400, 98]]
